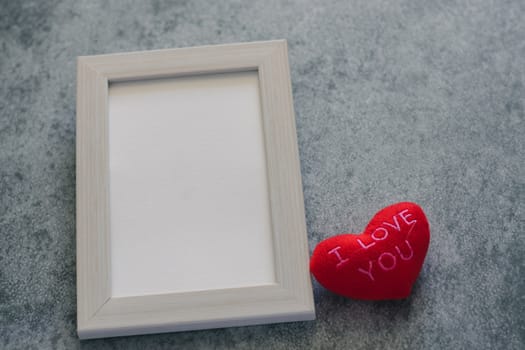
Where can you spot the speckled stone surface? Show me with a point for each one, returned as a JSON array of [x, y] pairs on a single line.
[[395, 100]]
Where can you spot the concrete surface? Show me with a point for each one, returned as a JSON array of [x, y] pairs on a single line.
[[395, 100]]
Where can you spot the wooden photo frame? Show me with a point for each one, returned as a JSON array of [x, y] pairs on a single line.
[[130, 241]]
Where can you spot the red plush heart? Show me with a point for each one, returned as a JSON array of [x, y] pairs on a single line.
[[381, 263]]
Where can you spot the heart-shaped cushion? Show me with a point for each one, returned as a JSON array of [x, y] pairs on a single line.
[[381, 263]]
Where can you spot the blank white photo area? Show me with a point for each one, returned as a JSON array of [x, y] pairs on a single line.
[[188, 185]]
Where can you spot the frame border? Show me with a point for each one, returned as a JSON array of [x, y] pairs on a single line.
[[289, 299]]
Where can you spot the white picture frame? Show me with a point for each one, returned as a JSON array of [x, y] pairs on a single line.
[[288, 298]]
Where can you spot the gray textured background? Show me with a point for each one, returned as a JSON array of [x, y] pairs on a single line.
[[395, 100]]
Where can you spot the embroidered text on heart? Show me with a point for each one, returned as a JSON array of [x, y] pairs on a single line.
[[386, 261]]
